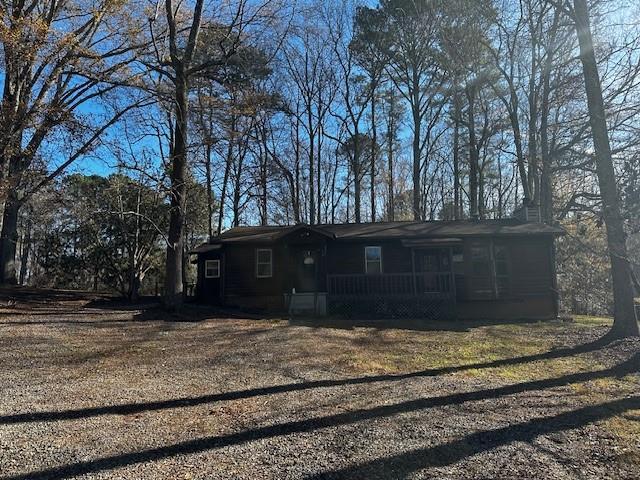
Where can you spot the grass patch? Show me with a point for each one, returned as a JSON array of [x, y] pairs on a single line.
[[593, 321], [626, 429], [432, 350]]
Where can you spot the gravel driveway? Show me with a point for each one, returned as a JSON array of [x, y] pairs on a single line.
[[95, 390]]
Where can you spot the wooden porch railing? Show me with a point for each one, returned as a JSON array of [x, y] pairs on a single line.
[[392, 284]]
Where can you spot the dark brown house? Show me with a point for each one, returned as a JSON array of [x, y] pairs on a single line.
[[438, 269]]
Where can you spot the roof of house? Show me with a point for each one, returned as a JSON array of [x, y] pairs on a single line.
[[388, 231]]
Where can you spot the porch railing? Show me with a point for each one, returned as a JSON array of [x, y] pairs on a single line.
[[438, 285]]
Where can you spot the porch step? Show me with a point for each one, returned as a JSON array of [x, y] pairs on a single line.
[[306, 303]]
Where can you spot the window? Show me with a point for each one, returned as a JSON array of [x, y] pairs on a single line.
[[264, 263], [212, 269], [373, 259]]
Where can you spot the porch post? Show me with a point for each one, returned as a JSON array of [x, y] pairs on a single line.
[[554, 279], [452, 276], [413, 271], [453, 293]]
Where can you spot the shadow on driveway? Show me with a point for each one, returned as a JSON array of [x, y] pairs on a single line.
[[395, 466]]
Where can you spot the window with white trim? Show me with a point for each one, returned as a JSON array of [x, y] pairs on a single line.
[[264, 263], [212, 269], [373, 259]]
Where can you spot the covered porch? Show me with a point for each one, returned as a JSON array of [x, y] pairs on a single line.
[[428, 284], [428, 290]]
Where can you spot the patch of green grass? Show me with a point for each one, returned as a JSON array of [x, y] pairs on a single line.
[[626, 429], [593, 321], [403, 351]]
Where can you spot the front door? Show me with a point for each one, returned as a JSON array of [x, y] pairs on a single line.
[[435, 268], [306, 270]]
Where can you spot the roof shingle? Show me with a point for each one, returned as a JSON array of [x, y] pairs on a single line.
[[394, 230]]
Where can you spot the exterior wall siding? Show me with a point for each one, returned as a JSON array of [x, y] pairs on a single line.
[[531, 293], [348, 257], [242, 287]]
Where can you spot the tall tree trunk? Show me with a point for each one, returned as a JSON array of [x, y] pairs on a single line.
[[174, 276], [481, 198], [11, 175], [357, 177], [96, 278], [296, 193], [512, 107], [500, 190], [532, 174], [9, 238], [390, 160], [390, 193], [417, 213], [312, 196], [209, 188], [319, 179], [334, 174], [227, 173], [134, 289], [26, 250], [235, 205], [473, 155], [263, 185], [625, 323], [174, 288], [374, 152], [457, 203], [546, 186]]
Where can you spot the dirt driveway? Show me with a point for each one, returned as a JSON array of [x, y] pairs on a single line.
[[91, 390]]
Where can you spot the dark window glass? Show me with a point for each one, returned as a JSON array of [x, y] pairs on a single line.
[[212, 269], [264, 264]]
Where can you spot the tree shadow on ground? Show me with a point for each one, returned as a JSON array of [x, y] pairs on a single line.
[[44, 295], [31, 302], [416, 324], [131, 408], [401, 464], [148, 309], [151, 309], [406, 463]]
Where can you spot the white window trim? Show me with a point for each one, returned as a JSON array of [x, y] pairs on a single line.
[[366, 263], [258, 250], [206, 269]]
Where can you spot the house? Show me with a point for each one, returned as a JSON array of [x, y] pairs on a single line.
[[436, 269]]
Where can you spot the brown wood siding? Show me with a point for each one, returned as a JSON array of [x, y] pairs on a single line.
[[208, 289], [530, 271], [240, 271], [530, 265], [348, 257]]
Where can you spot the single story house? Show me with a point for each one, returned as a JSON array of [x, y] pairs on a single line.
[[437, 269]]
